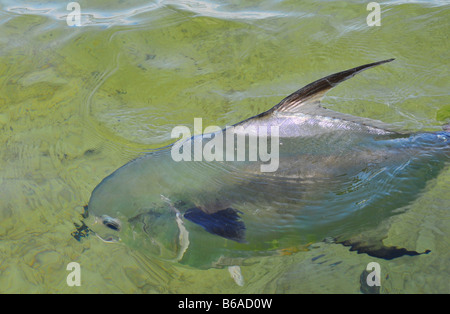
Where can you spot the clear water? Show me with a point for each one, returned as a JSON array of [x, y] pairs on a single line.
[[76, 103]]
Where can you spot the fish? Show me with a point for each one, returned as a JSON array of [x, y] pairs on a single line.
[[328, 175]]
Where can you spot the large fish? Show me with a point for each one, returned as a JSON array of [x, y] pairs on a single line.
[[334, 175]]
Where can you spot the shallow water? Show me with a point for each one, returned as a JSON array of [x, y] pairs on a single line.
[[76, 103]]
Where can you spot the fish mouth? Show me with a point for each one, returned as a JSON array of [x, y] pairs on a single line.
[[108, 239]]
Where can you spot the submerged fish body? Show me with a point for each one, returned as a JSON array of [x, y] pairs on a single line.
[[336, 175]]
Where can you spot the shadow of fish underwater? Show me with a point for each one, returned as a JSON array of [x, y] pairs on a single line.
[[337, 175]]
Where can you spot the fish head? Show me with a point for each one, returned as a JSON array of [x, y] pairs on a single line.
[[123, 208], [154, 231], [109, 209]]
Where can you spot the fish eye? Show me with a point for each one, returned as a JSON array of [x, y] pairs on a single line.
[[111, 223], [112, 226]]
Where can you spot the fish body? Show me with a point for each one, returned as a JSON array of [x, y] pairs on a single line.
[[335, 174]]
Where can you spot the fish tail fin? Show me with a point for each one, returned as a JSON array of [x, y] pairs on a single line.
[[378, 249]]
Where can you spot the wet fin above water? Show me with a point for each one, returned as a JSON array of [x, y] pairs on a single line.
[[378, 249], [307, 99], [311, 94], [225, 223]]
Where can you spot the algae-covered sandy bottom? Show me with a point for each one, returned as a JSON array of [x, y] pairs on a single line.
[[76, 103]]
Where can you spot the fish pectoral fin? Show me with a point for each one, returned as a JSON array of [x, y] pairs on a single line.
[[225, 223]]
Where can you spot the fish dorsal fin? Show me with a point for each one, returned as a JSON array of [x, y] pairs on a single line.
[[308, 97]]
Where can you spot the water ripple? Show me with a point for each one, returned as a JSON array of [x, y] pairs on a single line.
[[132, 15]]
